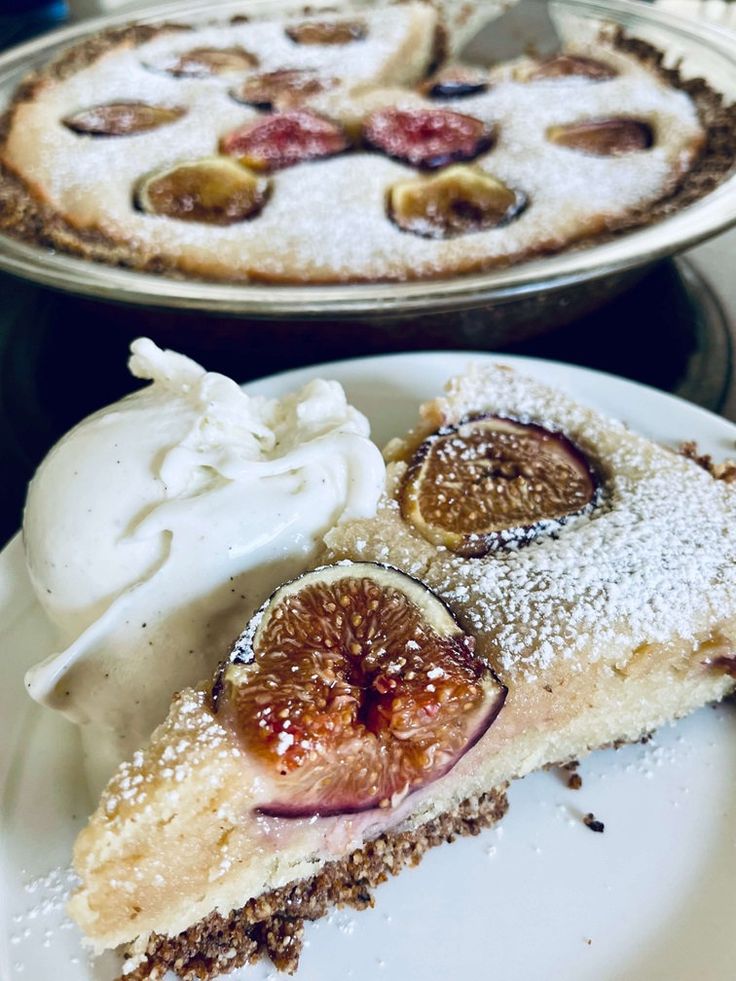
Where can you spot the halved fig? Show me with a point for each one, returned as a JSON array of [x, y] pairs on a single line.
[[455, 82], [725, 663], [490, 482], [284, 139], [122, 118], [427, 138], [282, 89], [573, 66], [203, 62], [354, 686], [604, 137], [456, 201], [212, 190], [327, 32]]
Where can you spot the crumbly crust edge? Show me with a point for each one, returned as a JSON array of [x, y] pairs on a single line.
[[273, 924], [24, 216]]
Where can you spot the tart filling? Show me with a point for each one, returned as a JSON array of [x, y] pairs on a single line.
[[604, 137], [282, 89]]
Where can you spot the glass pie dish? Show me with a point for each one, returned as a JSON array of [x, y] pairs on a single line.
[[518, 300]]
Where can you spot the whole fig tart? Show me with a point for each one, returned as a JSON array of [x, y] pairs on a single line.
[[344, 148]]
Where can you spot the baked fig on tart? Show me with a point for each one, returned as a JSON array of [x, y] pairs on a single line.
[[122, 118], [455, 82], [604, 137], [490, 482], [354, 686], [427, 138], [327, 32], [212, 191], [573, 66], [204, 62], [456, 201], [281, 89], [285, 139]]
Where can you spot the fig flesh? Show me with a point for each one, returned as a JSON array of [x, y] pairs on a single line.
[[573, 66], [454, 202], [284, 139], [353, 687], [427, 138], [282, 89], [122, 118], [327, 32], [212, 190], [204, 62], [604, 137], [491, 482]]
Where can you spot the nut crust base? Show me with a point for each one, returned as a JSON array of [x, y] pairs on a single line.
[[273, 924]]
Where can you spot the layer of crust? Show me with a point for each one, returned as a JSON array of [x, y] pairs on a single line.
[[725, 471], [273, 924], [23, 215]]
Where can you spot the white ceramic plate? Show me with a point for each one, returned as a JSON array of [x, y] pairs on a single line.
[[541, 898]]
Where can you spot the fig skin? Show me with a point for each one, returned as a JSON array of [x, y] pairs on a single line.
[[456, 89], [427, 138], [725, 663], [476, 544], [401, 735], [604, 137], [122, 119], [456, 82]]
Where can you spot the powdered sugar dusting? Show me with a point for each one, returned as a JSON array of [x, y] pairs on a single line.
[[41, 922], [189, 737], [651, 564]]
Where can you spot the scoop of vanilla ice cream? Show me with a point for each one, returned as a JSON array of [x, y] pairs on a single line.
[[157, 526]]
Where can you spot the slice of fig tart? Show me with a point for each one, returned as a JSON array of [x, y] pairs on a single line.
[[539, 581], [296, 780]]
